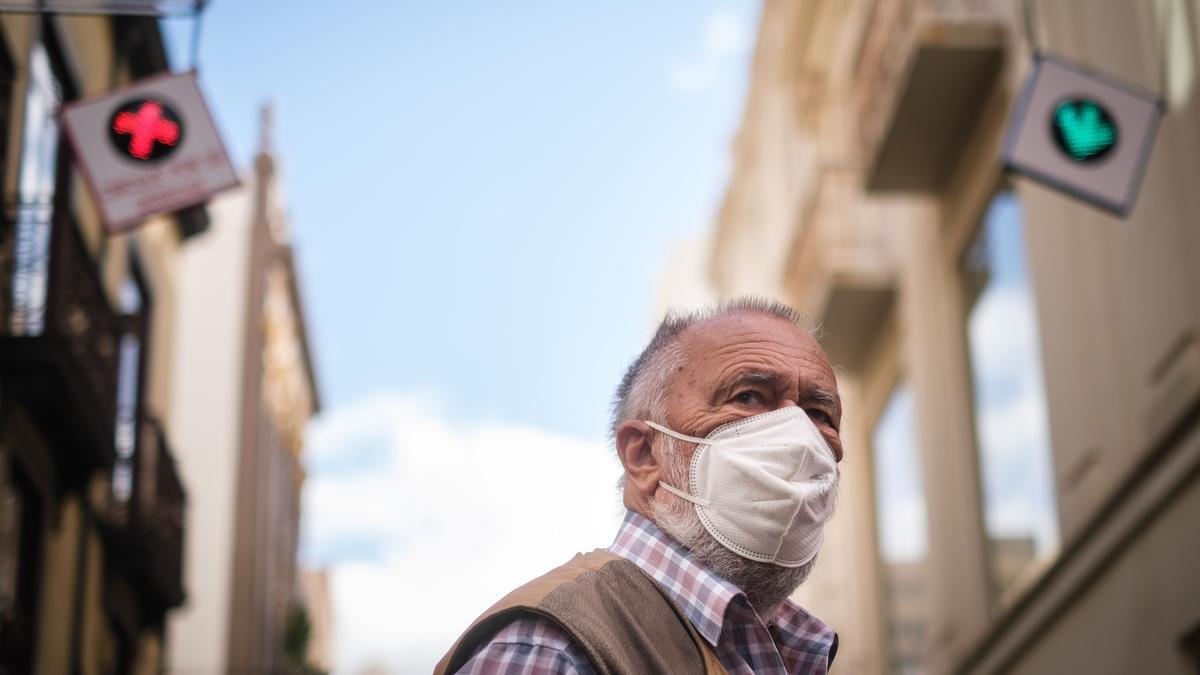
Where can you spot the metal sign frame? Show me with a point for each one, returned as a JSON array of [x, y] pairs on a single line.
[[157, 8], [1018, 121], [115, 225]]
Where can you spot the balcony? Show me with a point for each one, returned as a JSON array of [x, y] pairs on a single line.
[[58, 336], [145, 519], [922, 79], [842, 268]]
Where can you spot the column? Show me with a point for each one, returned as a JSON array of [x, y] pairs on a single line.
[[935, 363]]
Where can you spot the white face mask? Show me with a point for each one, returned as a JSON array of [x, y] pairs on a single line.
[[763, 486]]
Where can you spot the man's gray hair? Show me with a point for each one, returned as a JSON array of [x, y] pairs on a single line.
[[642, 392]]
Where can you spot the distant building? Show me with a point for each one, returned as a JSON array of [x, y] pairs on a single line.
[[316, 599], [1020, 371], [92, 509], [907, 598], [245, 391], [908, 610]]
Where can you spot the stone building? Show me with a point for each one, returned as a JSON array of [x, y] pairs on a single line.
[[92, 509], [1020, 370], [246, 389], [318, 601]]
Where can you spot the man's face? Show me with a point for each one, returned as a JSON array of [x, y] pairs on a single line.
[[745, 364], [735, 366]]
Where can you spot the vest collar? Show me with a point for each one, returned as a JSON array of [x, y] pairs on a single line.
[[704, 597]]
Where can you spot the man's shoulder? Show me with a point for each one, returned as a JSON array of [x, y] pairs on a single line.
[[597, 606], [533, 592], [521, 625], [589, 593], [537, 631], [528, 644]]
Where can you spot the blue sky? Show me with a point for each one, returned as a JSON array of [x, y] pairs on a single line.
[[483, 194], [1012, 429], [483, 197]]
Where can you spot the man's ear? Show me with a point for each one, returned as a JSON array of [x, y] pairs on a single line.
[[642, 469]]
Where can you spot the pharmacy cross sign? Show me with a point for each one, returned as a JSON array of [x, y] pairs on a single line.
[[1083, 133], [147, 148], [145, 130]]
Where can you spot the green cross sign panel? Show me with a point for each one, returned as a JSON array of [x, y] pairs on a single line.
[[1082, 133]]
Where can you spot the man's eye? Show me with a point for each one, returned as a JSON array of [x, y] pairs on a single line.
[[819, 416], [749, 397]]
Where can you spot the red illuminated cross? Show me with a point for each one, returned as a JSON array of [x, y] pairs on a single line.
[[147, 126]]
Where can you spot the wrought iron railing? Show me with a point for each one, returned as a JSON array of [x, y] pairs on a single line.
[[147, 517], [56, 319]]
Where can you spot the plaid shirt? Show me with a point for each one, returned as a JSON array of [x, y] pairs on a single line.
[[794, 643]]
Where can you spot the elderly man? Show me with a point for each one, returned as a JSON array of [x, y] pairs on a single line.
[[727, 428]]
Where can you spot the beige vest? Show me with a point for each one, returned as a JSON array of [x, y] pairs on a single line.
[[615, 615]]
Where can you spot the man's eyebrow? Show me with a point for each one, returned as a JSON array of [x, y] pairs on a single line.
[[823, 397], [744, 378]]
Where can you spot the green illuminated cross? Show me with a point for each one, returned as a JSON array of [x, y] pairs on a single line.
[[1084, 129]]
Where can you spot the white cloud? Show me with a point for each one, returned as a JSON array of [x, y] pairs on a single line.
[[726, 33], [726, 38], [904, 530], [1015, 427], [903, 525], [1004, 329], [455, 515]]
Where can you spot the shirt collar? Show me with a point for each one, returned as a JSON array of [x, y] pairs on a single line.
[[704, 596], [698, 591]]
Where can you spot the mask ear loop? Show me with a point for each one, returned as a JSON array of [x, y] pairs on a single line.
[[690, 439], [674, 434], [685, 496]]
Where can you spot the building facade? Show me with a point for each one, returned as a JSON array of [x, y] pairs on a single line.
[[246, 389], [92, 510], [318, 603], [1020, 370]]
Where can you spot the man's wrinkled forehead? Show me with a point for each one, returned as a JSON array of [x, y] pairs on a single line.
[[715, 349]]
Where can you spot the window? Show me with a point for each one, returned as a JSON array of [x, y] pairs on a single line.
[[903, 534], [1011, 425], [35, 194], [125, 439], [135, 307]]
